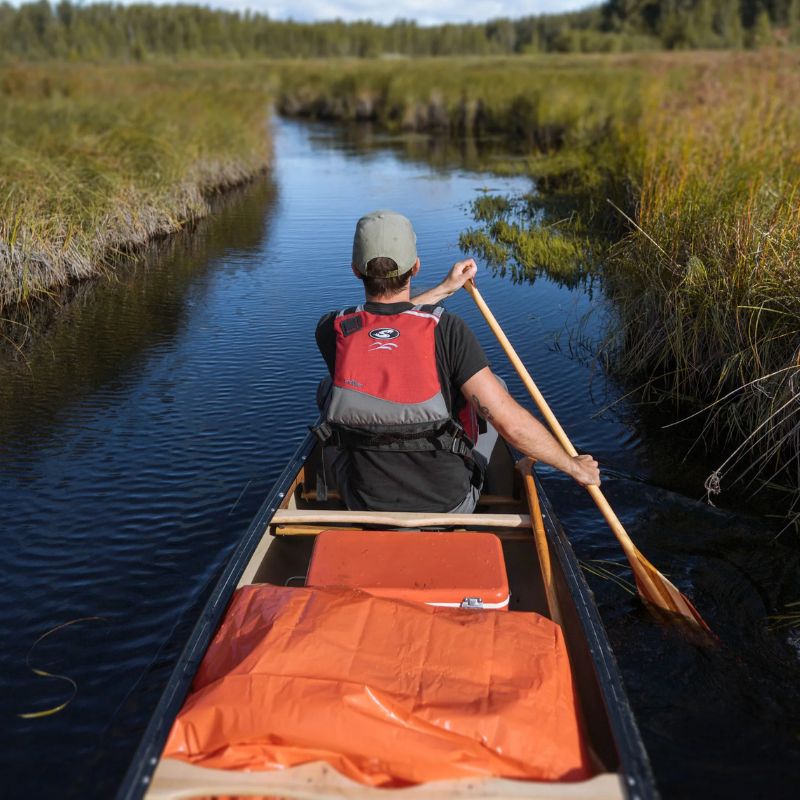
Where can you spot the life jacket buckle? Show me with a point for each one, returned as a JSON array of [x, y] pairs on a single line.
[[323, 432], [461, 444]]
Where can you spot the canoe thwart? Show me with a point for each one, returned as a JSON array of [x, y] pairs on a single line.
[[484, 500], [399, 519]]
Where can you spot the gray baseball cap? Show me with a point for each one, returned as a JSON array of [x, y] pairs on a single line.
[[384, 234]]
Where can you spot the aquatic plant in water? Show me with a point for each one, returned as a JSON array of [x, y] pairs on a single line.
[[516, 234]]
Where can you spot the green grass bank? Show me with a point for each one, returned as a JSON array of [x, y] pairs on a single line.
[[97, 160], [688, 163]]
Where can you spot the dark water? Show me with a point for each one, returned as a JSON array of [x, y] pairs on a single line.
[[153, 413]]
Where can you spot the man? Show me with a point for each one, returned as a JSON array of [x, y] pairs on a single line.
[[407, 379]]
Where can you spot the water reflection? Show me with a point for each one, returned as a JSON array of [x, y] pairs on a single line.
[[102, 329], [440, 153]]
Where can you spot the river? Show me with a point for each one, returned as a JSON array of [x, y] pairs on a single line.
[[152, 412]]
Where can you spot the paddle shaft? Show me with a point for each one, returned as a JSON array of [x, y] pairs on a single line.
[[540, 539], [611, 518]]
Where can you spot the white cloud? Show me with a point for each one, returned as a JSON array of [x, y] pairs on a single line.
[[425, 12]]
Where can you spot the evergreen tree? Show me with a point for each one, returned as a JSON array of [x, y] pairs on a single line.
[[793, 21], [727, 23], [105, 31], [702, 33], [761, 35]]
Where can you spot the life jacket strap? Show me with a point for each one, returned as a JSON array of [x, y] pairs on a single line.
[[450, 437]]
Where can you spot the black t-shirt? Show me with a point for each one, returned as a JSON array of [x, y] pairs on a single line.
[[427, 481]]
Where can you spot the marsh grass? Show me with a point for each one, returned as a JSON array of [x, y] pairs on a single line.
[[706, 283], [547, 101], [94, 162]]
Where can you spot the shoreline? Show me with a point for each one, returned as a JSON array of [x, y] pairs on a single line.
[[115, 250], [21, 325]]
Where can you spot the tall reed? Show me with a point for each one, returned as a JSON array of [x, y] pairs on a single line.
[[706, 284]]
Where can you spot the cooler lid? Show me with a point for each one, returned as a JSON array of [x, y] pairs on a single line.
[[440, 568]]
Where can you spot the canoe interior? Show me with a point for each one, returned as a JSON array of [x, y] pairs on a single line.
[[285, 561], [279, 553]]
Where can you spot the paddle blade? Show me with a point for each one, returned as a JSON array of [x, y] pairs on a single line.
[[659, 591]]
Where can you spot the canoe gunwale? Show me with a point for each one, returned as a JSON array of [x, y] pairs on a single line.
[[634, 763]]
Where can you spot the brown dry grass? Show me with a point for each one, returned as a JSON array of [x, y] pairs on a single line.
[[96, 161]]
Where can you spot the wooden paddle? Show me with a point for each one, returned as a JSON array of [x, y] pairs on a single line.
[[525, 466], [652, 585]]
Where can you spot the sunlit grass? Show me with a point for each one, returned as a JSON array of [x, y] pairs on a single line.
[[516, 235], [95, 161], [706, 283]]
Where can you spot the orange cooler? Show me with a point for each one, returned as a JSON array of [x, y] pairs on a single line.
[[464, 570]]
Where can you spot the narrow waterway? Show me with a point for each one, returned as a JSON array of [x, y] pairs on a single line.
[[152, 413]]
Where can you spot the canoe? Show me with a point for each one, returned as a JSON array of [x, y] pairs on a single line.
[[277, 548]]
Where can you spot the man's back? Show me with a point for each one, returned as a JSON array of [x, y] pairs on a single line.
[[431, 480], [415, 467]]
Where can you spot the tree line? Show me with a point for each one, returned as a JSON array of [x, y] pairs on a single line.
[[39, 30]]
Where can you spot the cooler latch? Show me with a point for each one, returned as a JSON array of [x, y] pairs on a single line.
[[472, 602]]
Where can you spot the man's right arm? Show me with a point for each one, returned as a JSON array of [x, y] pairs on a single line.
[[522, 430]]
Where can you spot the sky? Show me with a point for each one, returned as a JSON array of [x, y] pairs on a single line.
[[424, 12]]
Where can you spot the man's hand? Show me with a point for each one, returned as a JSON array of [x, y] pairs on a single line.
[[459, 274], [585, 470]]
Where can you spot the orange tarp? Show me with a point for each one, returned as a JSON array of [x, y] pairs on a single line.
[[389, 693]]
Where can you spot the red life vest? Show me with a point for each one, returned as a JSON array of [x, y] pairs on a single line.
[[386, 392]]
